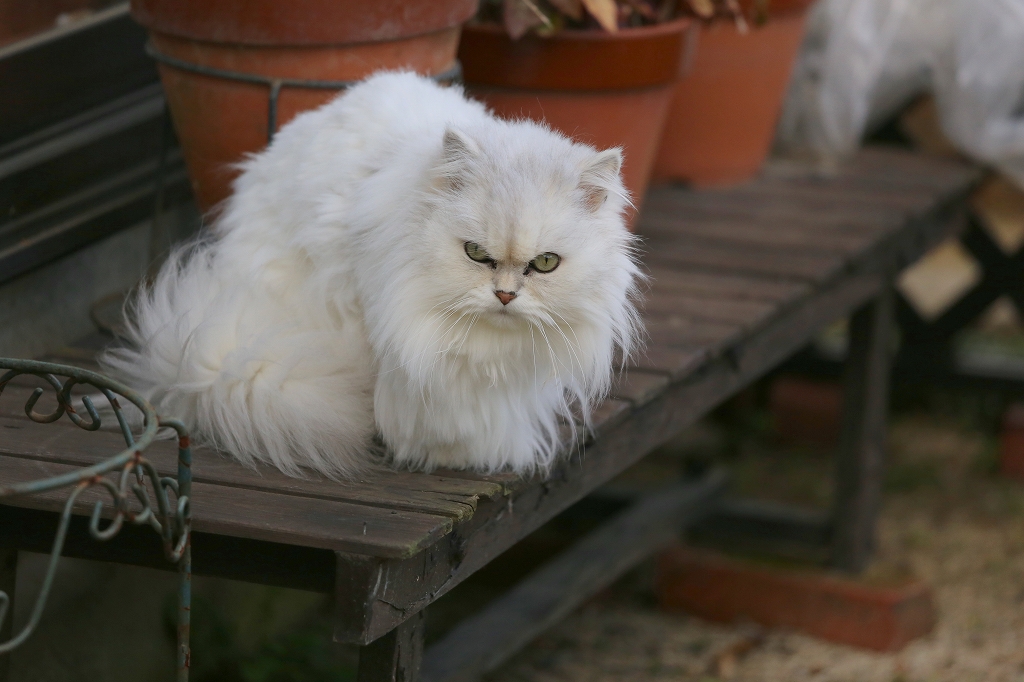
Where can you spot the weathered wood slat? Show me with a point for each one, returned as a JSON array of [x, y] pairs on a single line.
[[677, 331], [878, 166], [818, 196], [639, 386], [696, 307], [484, 641], [804, 238], [774, 214], [673, 361], [666, 281], [66, 444], [260, 515], [691, 252]]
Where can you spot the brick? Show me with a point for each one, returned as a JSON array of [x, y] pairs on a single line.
[[717, 588], [1011, 443]]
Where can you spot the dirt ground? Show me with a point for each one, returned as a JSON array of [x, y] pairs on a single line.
[[946, 517]]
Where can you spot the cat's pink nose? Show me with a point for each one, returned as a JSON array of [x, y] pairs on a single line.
[[505, 296]]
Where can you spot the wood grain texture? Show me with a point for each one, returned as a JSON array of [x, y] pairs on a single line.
[[64, 443], [259, 515], [639, 386], [719, 285]]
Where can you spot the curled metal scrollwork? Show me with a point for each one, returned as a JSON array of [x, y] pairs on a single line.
[[134, 477]]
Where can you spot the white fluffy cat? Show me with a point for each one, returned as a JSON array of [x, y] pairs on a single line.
[[398, 261]]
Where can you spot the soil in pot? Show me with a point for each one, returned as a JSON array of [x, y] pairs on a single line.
[[604, 89], [724, 111], [218, 120]]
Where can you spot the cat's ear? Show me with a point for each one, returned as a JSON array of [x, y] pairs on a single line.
[[457, 149], [600, 172], [457, 146]]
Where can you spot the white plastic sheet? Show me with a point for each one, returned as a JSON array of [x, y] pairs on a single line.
[[864, 59]]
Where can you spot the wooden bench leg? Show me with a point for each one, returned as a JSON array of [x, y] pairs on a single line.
[[395, 657], [8, 576], [861, 460]]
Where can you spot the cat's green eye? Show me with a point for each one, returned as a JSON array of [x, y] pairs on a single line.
[[546, 262], [477, 253]]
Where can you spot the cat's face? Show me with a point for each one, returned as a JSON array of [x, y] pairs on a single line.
[[526, 233]]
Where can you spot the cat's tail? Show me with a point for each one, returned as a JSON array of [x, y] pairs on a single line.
[[246, 373]]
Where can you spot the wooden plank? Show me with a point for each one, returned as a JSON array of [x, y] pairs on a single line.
[[804, 237], [881, 166], [409, 491], [639, 386], [861, 461], [705, 307], [497, 525], [817, 196], [683, 332], [722, 285], [483, 642], [220, 556], [686, 211], [609, 413], [395, 657], [258, 515], [671, 361], [703, 253]]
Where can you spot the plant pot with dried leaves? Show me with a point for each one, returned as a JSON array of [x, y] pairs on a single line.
[[236, 70], [724, 111], [599, 71]]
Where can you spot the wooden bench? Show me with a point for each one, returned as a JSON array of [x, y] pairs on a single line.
[[741, 279]]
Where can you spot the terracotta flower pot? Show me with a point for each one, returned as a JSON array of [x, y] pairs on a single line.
[[605, 89], [219, 119], [723, 116]]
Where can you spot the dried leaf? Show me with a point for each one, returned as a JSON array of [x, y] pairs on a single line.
[[705, 9], [570, 8], [519, 16], [606, 12]]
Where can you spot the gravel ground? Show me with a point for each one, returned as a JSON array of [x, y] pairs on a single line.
[[945, 517]]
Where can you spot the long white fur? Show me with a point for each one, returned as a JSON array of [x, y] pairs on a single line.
[[335, 298]]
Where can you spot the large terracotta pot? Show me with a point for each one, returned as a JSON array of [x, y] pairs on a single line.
[[605, 89], [723, 116], [219, 119]]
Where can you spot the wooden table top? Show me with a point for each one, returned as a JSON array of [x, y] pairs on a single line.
[[741, 278]]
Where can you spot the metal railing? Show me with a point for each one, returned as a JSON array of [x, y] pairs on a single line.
[[127, 477]]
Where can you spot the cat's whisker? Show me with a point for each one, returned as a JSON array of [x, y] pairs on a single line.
[[443, 316], [533, 343], [568, 345], [572, 350], [465, 336], [585, 394]]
